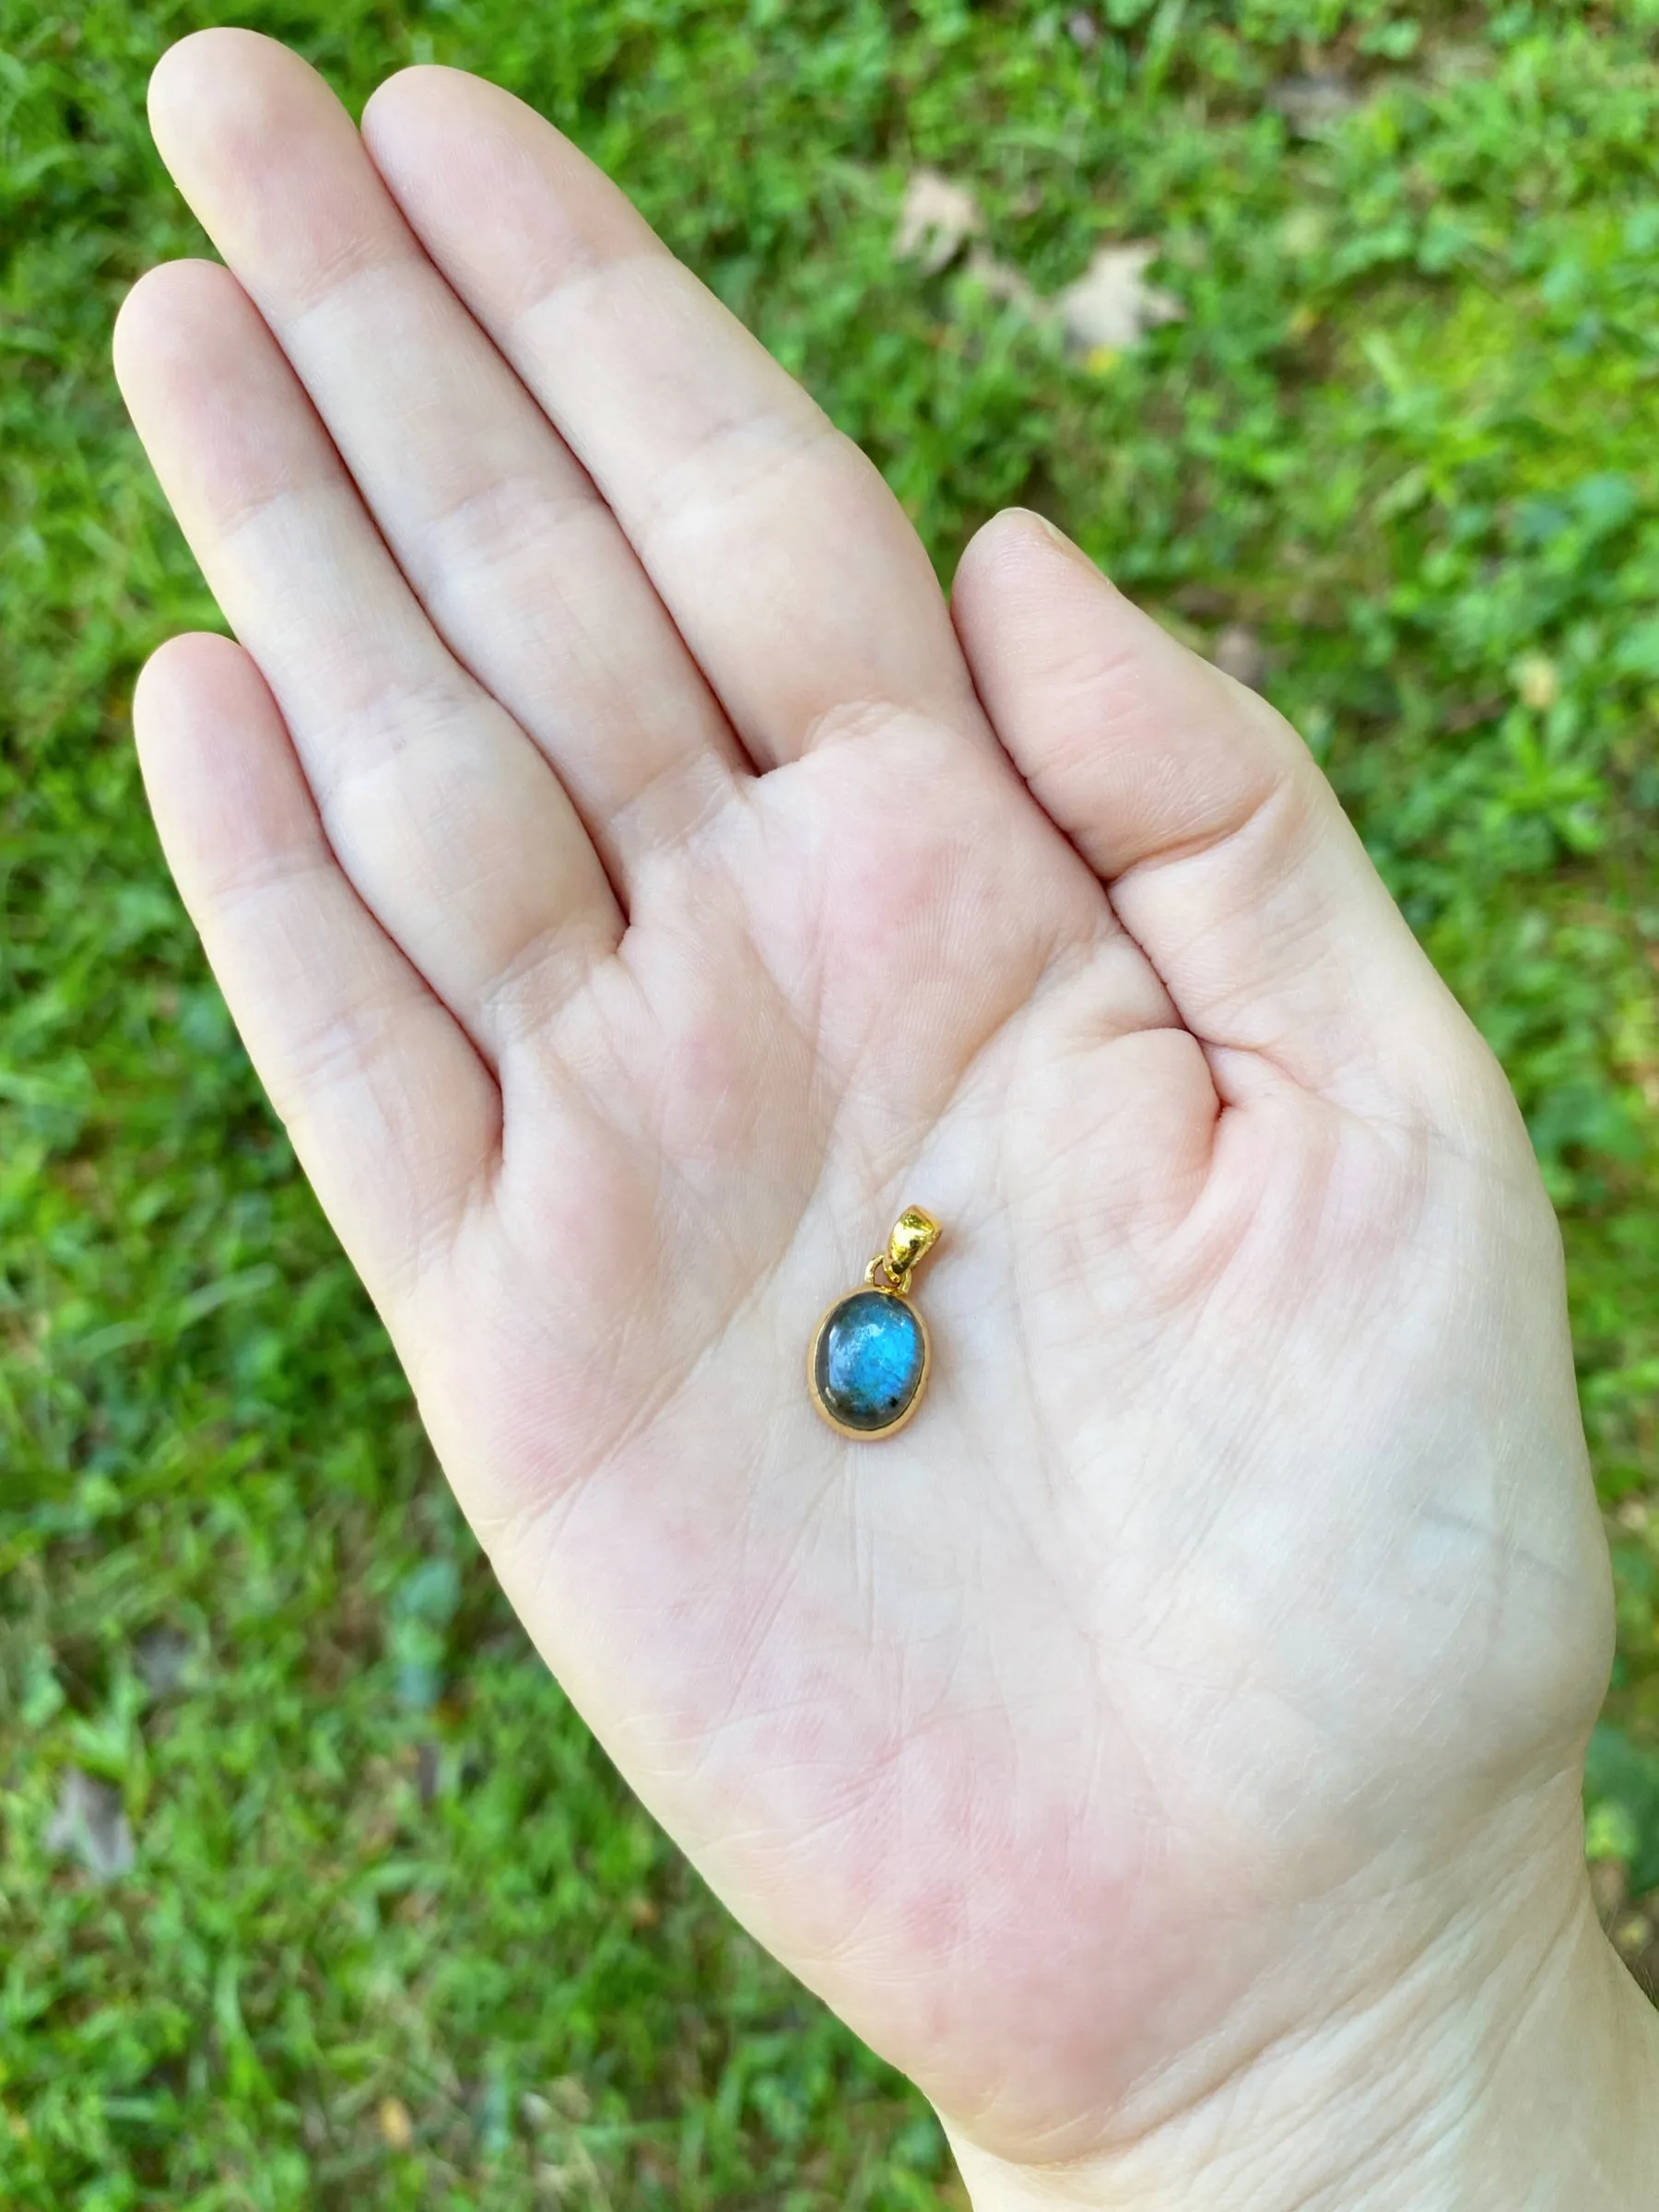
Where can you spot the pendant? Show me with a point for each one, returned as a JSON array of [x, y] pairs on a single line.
[[867, 1365]]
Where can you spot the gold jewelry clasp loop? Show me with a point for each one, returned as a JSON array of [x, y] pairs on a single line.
[[915, 1234]]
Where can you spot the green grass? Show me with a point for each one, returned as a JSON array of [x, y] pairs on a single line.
[[395, 1936]]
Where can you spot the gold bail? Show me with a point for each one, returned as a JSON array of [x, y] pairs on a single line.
[[915, 1236]]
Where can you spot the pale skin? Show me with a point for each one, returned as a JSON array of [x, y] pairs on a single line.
[[634, 884]]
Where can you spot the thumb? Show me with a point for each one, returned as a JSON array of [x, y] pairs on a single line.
[[1225, 851]]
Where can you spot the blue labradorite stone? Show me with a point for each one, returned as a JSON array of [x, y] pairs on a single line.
[[870, 1356]]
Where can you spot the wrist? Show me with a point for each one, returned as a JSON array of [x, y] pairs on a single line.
[[1511, 2066]]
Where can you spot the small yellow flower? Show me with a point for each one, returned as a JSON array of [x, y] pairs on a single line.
[[396, 2126], [1538, 682]]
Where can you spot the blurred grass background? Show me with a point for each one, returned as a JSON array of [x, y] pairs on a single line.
[[392, 1934]]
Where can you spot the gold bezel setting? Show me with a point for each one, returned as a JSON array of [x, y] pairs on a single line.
[[913, 1236]]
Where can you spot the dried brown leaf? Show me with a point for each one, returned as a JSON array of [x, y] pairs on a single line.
[[90, 1824], [1111, 306], [937, 217]]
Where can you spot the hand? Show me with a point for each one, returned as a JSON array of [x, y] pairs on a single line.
[[633, 890]]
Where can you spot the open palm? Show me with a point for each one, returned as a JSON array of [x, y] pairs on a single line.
[[633, 889]]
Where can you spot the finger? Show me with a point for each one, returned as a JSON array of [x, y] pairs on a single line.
[[1224, 849], [392, 1115], [444, 814], [519, 563], [789, 568]]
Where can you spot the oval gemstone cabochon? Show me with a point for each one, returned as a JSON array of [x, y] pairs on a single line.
[[869, 1362]]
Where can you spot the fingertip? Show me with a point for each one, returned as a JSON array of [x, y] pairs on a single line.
[[173, 333], [224, 105], [140, 320], [487, 184], [416, 117], [416, 80], [1019, 552], [193, 77], [1029, 606], [396, 99], [421, 81], [1021, 534], [219, 770], [151, 308], [190, 663], [126, 333], [407, 99], [414, 120], [197, 681]]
